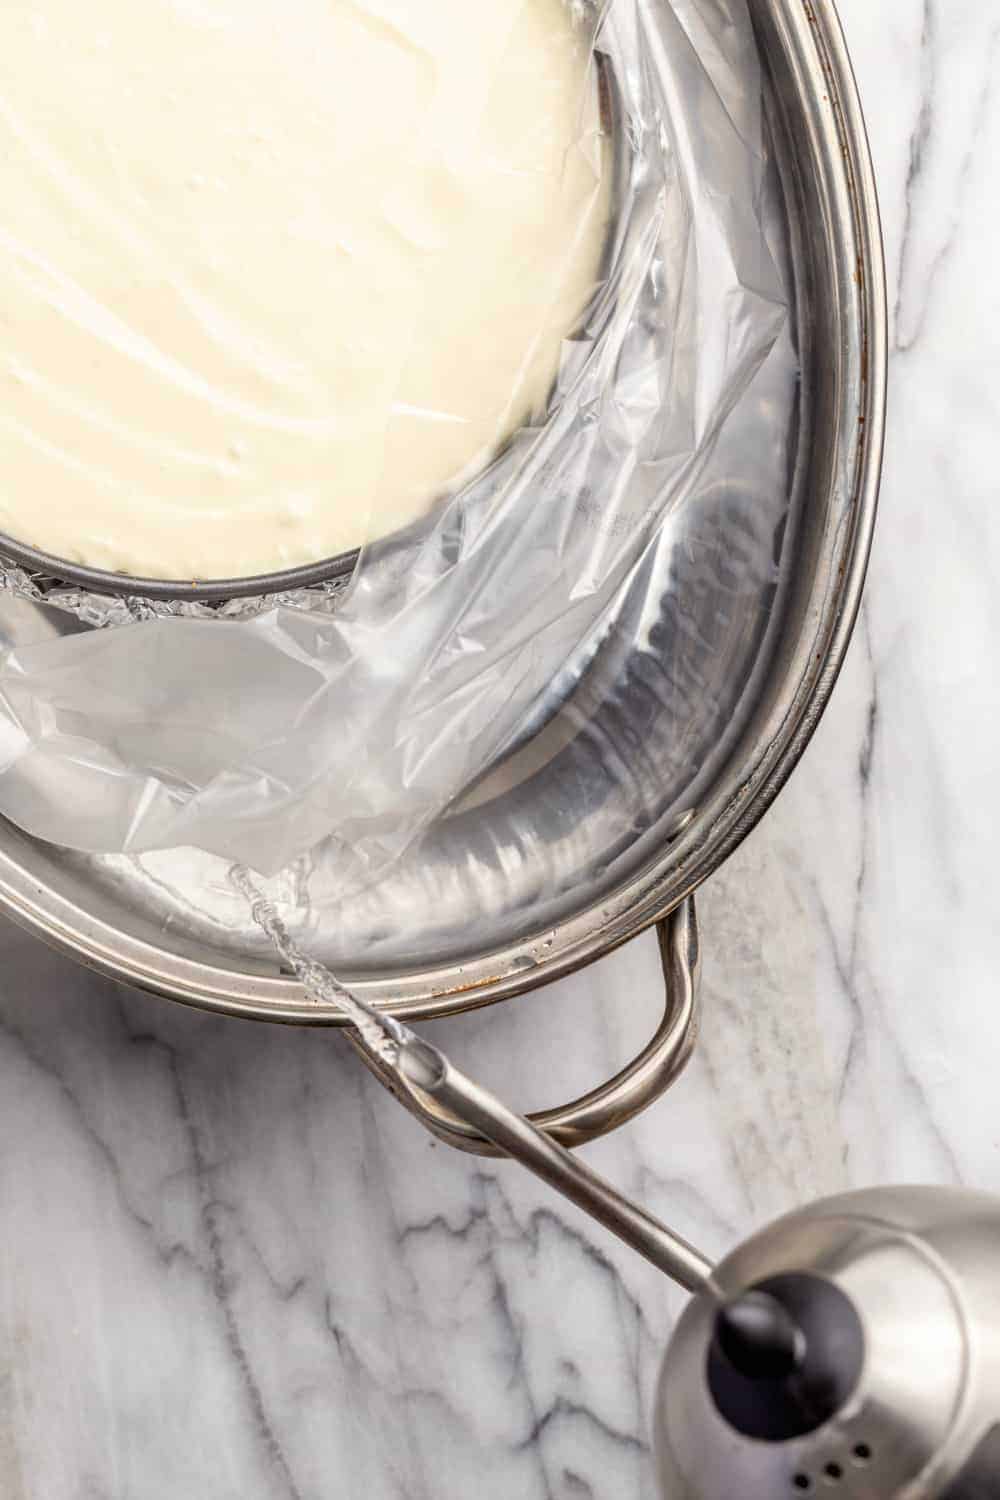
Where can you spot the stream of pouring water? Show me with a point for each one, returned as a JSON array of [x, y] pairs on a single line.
[[381, 1034], [424, 1071]]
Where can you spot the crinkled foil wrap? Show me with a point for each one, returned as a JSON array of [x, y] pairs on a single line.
[[101, 611], [260, 729]]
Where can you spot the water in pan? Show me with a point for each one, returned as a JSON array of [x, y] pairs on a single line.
[[641, 732], [642, 728]]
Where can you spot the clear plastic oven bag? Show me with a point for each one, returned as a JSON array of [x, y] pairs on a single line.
[[258, 732]]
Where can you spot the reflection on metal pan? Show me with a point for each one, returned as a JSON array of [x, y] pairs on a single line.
[[548, 865]]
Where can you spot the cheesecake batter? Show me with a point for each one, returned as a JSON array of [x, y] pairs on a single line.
[[274, 274]]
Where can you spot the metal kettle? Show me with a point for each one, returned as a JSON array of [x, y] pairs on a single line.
[[851, 1349]]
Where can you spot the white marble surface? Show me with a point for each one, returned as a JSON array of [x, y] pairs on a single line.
[[229, 1268]]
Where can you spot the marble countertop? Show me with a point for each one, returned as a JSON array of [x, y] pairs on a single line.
[[229, 1268]]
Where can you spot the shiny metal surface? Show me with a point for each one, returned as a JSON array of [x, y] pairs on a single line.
[[96, 581], [921, 1267], [614, 1103], [435, 1084], [481, 912]]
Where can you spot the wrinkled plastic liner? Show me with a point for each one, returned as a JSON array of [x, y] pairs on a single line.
[[256, 730]]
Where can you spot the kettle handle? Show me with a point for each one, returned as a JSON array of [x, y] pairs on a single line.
[[629, 1092]]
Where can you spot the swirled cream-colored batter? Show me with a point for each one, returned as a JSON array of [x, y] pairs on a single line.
[[273, 274]]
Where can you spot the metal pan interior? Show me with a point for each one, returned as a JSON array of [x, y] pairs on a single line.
[[545, 867]]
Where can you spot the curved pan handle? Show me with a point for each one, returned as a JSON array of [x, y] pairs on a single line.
[[638, 1085]]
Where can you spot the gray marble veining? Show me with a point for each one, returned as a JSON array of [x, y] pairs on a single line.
[[229, 1267]]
